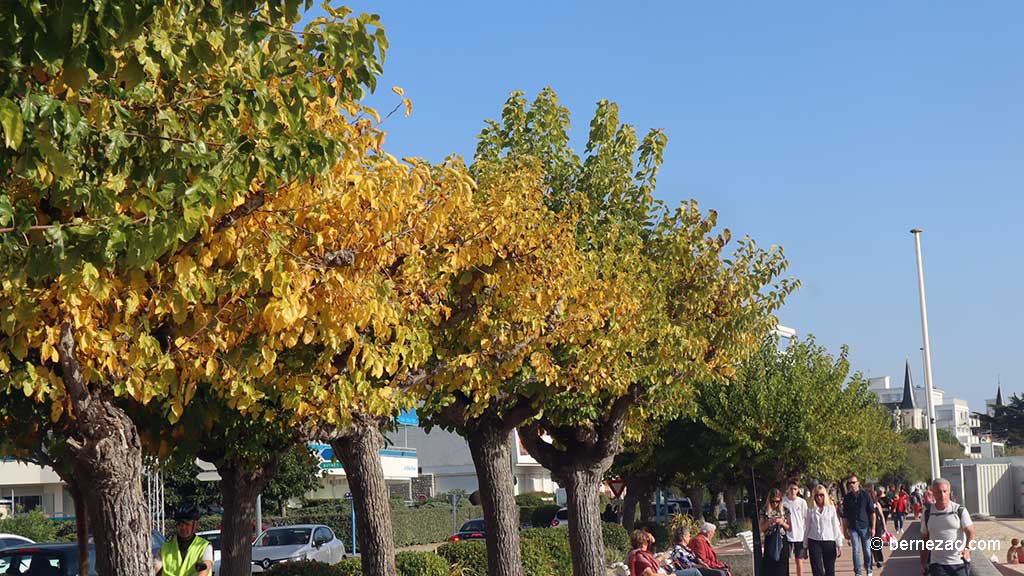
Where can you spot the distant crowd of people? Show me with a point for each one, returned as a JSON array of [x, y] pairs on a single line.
[[816, 530]]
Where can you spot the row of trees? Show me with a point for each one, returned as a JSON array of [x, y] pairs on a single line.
[[210, 254], [792, 412]]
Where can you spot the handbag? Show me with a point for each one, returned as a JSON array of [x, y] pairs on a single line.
[[773, 543]]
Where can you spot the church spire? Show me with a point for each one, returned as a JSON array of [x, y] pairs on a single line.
[[908, 392], [999, 392]]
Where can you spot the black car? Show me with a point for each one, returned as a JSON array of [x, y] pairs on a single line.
[[58, 559], [471, 530], [44, 560]]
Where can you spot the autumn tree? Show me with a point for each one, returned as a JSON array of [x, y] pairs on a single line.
[[674, 310], [129, 131]]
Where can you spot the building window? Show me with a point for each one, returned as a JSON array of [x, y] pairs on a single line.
[[975, 449], [28, 503]]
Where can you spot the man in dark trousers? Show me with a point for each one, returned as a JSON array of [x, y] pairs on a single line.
[[858, 520]]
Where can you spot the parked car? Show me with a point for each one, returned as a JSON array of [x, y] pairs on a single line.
[[11, 540], [44, 560], [299, 542], [561, 519], [471, 530], [213, 537]]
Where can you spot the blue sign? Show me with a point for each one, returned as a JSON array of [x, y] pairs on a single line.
[[408, 418]]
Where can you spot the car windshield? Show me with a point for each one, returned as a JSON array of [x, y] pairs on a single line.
[[562, 515], [284, 537], [36, 563], [473, 526], [213, 539]]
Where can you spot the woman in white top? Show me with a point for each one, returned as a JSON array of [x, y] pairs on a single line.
[[822, 533]]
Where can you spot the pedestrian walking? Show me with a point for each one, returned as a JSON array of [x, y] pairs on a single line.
[[899, 509], [915, 503], [797, 508], [858, 521], [878, 531], [948, 528], [822, 533], [775, 523]]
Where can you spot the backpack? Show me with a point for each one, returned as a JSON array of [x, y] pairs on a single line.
[[954, 509]]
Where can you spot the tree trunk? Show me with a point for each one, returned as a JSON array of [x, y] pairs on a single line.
[[638, 493], [240, 484], [585, 538], [359, 452], [106, 456], [696, 496], [729, 494], [110, 464], [492, 458], [81, 525]]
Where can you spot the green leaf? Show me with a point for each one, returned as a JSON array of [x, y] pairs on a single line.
[[12, 123], [6, 211]]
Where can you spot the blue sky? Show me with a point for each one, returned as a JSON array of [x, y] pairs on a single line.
[[828, 128]]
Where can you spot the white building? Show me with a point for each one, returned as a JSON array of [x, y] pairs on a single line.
[[446, 463], [33, 487], [909, 405]]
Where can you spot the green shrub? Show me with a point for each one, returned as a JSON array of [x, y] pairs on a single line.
[[543, 515], [469, 557], [309, 568], [67, 530], [537, 561], [555, 542], [615, 538], [412, 526], [350, 567], [421, 564], [33, 525], [533, 499]]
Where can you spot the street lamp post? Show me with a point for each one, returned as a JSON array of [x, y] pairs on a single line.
[[933, 439]]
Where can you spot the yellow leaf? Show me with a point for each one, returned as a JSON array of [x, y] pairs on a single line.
[[398, 90]]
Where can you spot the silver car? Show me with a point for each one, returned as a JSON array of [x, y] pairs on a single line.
[[299, 542]]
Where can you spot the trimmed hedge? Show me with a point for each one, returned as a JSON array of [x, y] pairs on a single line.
[[542, 516], [412, 526], [421, 564], [469, 556], [408, 564], [615, 538], [309, 568], [554, 541]]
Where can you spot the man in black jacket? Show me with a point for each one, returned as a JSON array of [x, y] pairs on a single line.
[[858, 519]]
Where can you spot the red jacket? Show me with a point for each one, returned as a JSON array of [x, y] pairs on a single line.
[[640, 560], [702, 548], [901, 502]]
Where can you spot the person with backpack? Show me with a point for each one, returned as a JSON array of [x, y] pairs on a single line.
[[946, 521]]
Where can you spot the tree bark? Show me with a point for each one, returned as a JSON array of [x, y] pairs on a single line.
[[695, 493], [359, 451], [81, 525], [585, 538], [106, 456], [240, 484], [491, 456], [638, 493], [729, 495]]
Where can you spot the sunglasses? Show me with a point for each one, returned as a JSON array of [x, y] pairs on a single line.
[[776, 501], [819, 495]]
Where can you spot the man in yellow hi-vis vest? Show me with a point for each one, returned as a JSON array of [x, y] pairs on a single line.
[[188, 554]]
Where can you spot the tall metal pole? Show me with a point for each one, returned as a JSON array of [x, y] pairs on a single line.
[[933, 438]]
